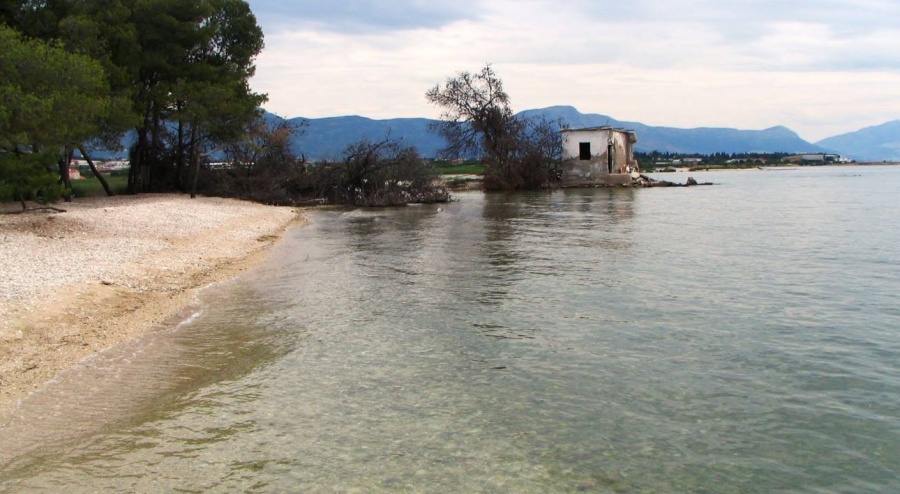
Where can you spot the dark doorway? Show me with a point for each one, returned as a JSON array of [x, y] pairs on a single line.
[[610, 156]]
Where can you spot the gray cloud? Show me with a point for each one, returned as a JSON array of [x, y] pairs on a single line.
[[798, 35], [822, 65], [362, 16], [746, 16]]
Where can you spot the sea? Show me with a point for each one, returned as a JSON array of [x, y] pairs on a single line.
[[738, 337]]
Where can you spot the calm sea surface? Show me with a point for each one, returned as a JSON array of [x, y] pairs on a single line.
[[742, 337]]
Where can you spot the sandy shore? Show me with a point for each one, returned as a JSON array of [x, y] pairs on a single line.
[[109, 269]]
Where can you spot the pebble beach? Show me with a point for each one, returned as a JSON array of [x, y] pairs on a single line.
[[105, 270]]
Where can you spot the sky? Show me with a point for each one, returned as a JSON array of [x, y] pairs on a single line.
[[818, 67]]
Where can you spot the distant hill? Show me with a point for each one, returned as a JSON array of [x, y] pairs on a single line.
[[877, 143], [328, 137], [704, 140]]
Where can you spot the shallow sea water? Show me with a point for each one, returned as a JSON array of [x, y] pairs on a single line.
[[741, 337]]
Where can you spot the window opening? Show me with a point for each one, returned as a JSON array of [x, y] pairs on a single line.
[[584, 151]]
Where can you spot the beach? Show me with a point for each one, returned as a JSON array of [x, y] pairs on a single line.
[[106, 270]]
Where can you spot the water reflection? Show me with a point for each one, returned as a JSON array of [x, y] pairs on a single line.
[[573, 341], [569, 232]]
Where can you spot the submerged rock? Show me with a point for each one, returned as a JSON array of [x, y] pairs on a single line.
[[645, 181]]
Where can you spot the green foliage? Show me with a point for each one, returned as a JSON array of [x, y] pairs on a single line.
[[52, 99], [103, 30], [28, 177], [176, 71], [195, 64], [49, 97]]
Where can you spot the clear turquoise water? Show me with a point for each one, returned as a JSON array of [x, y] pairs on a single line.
[[743, 337]]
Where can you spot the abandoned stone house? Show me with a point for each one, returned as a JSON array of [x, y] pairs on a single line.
[[598, 156]]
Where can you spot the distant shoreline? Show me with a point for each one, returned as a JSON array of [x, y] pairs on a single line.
[[716, 168]]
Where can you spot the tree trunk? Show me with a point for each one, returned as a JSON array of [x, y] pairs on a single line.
[[64, 162], [151, 172], [195, 160], [96, 172], [137, 161], [179, 159]]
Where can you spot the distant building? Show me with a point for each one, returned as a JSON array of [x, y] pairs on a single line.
[[733, 161], [813, 159], [114, 165], [597, 156]]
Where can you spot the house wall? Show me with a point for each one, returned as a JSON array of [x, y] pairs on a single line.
[[595, 171]]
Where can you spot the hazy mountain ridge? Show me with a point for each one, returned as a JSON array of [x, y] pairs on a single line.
[[703, 140], [876, 143], [326, 138]]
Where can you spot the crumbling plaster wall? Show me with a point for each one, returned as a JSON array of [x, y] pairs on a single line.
[[595, 171]]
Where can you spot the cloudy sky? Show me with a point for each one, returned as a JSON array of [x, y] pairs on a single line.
[[819, 67]]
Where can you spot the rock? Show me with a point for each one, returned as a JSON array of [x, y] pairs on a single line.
[[586, 485]]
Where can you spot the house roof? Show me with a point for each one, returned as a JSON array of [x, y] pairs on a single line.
[[592, 129]]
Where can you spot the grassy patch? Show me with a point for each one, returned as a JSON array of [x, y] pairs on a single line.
[[463, 169], [92, 187]]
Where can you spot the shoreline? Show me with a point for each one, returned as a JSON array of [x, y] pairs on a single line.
[[110, 269]]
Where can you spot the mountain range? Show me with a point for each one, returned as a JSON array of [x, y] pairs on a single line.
[[877, 143], [326, 138]]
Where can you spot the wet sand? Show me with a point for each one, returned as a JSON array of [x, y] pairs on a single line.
[[109, 269]]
